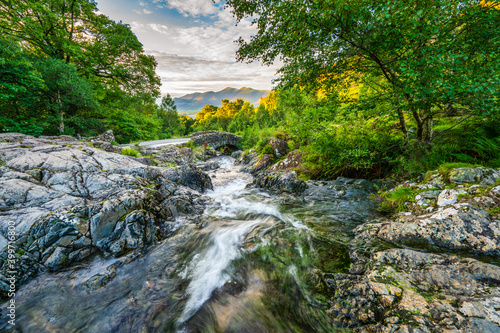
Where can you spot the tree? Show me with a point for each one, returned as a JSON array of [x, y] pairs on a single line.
[[167, 113], [102, 50], [188, 123], [66, 94], [432, 53]]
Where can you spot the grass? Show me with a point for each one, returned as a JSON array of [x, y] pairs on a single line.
[[129, 151], [394, 200]]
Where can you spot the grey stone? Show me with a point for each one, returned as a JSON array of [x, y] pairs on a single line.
[[57, 259], [215, 139], [280, 182]]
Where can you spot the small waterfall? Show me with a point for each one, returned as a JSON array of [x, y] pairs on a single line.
[[242, 210]]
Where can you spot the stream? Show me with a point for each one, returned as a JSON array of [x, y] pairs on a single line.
[[252, 264]]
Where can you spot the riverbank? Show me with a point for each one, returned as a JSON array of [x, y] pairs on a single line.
[[195, 243]]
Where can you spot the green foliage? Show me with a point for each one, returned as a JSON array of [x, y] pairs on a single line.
[[356, 150], [170, 122], [263, 147], [65, 94], [431, 54], [393, 201], [130, 151], [74, 72]]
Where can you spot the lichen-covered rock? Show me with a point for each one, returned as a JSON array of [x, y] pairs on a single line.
[[107, 136], [426, 198], [459, 227], [403, 288], [474, 175], [280, 147], [292, 161], [107, 146], [280, 182], [447, 197]]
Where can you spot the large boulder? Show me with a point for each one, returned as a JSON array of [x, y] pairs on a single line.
[[175, 154], [460, 227], [280, 182], [262, 163], [280, 147], [292, 161], [474, 175], [190, 176], [64, 199]]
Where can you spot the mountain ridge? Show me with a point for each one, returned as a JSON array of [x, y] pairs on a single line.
[[194, 102]]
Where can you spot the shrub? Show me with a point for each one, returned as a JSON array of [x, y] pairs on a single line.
[[267, 149], [130, 151]]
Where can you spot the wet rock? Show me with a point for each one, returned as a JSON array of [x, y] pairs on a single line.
[[137, 230], [189, 176], [67, 199], [280, 182], [207, 166], [57, 259], [237, 154], [97, 281]]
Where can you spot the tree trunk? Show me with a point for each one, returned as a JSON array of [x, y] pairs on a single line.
[[61, 113], [402, 123], [427, 130]]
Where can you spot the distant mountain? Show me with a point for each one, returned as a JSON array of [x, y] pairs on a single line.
[[195, 102]]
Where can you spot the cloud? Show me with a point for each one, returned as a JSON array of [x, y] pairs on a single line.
[[190, 7], [185, 74], [200, 55], [143, 11]]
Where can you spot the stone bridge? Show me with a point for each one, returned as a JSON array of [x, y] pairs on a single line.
[[216, 139]]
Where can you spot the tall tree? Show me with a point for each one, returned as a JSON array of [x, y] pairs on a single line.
[[66, 94], [167, 113], [433, 53], [72, 30]]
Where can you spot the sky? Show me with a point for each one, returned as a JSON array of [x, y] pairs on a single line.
[[193, 43]]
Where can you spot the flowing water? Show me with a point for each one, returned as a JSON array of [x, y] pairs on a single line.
[[252, 267]]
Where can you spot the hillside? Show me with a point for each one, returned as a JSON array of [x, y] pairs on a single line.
[[196, 101]]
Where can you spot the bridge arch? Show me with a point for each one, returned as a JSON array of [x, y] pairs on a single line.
[[216, 139]]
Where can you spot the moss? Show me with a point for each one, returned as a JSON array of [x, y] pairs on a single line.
[[445, 169], [494, 211], [129, 151]]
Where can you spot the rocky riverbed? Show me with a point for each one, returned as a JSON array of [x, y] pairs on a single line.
[[183, 240]]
